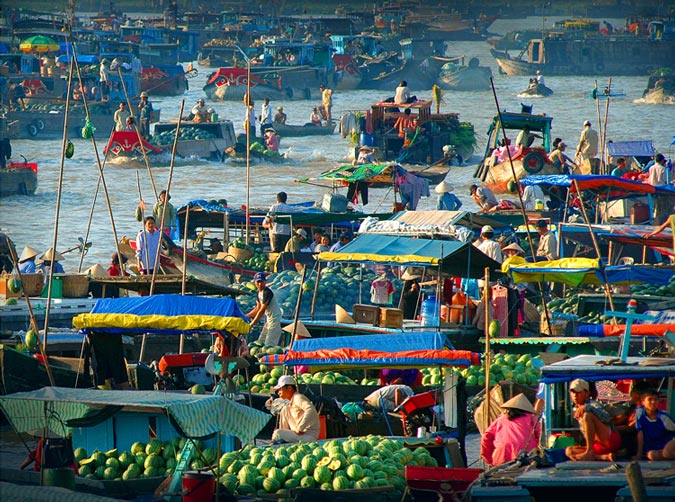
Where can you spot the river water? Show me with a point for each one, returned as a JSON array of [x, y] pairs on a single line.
[[30, 220]]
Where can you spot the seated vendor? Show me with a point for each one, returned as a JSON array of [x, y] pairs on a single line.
[[389, 396], [298, 420]]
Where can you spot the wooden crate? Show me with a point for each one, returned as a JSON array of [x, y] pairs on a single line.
[[32, 285], [366, 314], [391, 318]]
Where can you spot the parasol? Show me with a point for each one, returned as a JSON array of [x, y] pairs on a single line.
[[39, 43]]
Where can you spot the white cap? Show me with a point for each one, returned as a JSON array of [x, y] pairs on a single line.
[[302, 232], [486, 229], [284, 381], [587, 123]]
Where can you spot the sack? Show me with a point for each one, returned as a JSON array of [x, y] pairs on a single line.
[[58, 452], [334, 203]]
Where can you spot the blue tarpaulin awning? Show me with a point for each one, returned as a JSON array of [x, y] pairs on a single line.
[[631, 149]]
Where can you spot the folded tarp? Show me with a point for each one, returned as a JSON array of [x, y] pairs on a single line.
[[459, 259], [166, 314], [196, 416], [392, 343], [350, 358], [576, 271]]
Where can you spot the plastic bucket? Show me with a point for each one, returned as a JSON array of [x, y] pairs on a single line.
[[63, 477], [214, 117], [198, 486], [367, 139], [57, 288]]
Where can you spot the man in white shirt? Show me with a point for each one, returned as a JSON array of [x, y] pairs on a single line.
[[280, 232], [658, 173], [489, 246], [547, 249], [265, 116]]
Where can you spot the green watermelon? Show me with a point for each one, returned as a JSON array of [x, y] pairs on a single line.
[[341, 483], [494, 328], [137, 447], [322, 474], [271, 485], [307, 482]]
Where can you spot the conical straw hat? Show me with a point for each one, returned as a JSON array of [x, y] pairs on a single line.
[[519, 402], [28, 253], [342, 316], [51, 255], [444, 187], [96, 271], [300, 332]]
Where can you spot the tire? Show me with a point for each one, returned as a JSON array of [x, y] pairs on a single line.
[[32, 130], [289, 92], [533, 162], [40, 124]]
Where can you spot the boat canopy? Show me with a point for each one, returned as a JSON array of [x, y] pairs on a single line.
[[60, 410], [402, 351], [631, 149], [81, 59], [608, 187], [378, 173], [540, 123], [460, 259], [595, 368], [576, 271], [164, 314]]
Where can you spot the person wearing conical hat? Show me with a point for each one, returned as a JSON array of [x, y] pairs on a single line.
[[51, 258], [447, 201], [513, 249], [27, 260], [516, 430]]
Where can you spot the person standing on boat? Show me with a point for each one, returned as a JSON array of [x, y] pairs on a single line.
[[104, 80], [266, 305], [147, 243], [587, 149], [488, 245], [447, 201], [484, 197], [265, 116], [327, 103], [249, 118], [602, 441], [200, 113], [120, 117], [145, 115], [27, 261], [659, 173], [169, 223], [280, 233], [280, 116], [517, 429], [547, 250]]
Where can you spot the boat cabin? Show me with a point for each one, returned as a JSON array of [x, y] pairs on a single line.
[[356, 45], [277, 53], [517, 122]]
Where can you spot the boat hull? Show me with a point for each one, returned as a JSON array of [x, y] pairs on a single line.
[[496, 176], [18, 179], [289, 131], [466, 79], [22, 373], [165, 80], [659, 97], [537, 91]]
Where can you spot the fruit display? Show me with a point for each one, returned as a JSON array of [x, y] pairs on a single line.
[[339, 464], [522, 369], [651, 290], [338, 285], [186, 133], [567, 308], [154, 459]]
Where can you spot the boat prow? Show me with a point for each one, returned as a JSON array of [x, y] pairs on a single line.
[[19, 178], [538, 90]]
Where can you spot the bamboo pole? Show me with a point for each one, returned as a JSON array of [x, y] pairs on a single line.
[[315, 293], [185, 240], [166, 200], [297, 310], [608, 292], [597, 110], [31, 314], [487, 358], [248, 148], [603, 157]]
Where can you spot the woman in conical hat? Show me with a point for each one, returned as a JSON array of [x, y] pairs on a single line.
[[50, 258], [27, 260], [516, 430], [447, 201]]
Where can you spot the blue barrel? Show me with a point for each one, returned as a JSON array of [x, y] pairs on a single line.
[[430, 312], [367, 139]]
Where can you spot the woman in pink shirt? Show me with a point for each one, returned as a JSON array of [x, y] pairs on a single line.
[[517, 429]]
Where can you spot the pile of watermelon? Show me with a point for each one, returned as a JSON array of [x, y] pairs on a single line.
[[186, 133], [339, 464], [263, 382], [154, 459], [522, 369]]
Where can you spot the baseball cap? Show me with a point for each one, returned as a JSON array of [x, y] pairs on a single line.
[[487, 229], [259, 277], [302, 232], [587, 123], [578, 385], [284, 381]]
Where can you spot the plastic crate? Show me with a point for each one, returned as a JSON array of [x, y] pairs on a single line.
[[366, 314], [441, 479], [423, 400]]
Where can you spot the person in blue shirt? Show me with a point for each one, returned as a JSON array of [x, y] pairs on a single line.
[[27, 261], [51, 258], [655, 427], [447, 200]]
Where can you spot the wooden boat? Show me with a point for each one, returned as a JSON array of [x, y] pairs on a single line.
[[538, 90], [495, 170], [623, 54], [166, 79], [457, 77], [19, 178], [23, 372], [660, 88], [289, 130]]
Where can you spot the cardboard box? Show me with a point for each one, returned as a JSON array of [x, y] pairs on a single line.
[[391, 318], [366, 314], [32, 285]]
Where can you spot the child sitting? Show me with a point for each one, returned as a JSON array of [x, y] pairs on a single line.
[[655, 427]]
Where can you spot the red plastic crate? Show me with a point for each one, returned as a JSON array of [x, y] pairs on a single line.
[[423, 400], [438, 478]]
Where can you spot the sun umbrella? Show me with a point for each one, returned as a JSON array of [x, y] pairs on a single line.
[[39, 43]]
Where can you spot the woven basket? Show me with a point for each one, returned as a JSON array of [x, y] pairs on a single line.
[[75, 286], [240, 254]]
